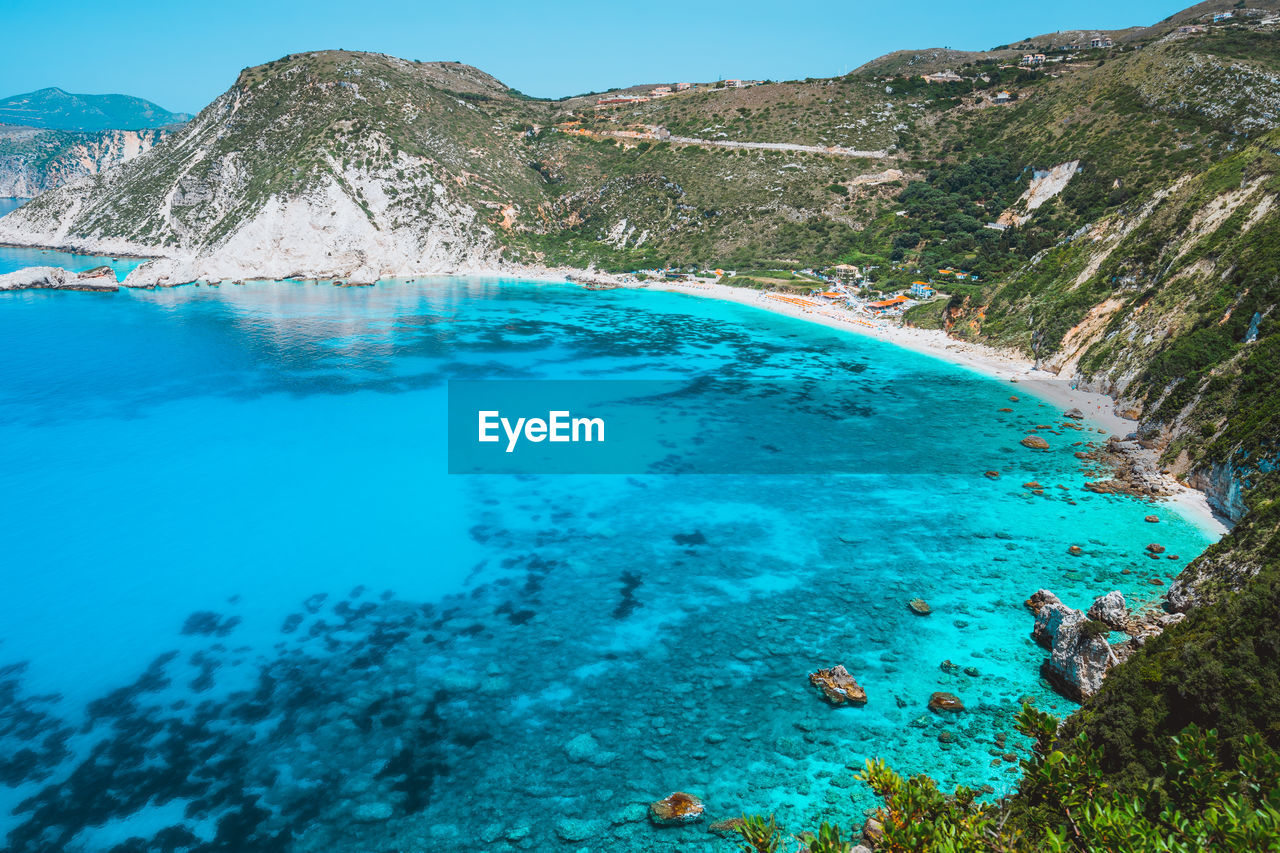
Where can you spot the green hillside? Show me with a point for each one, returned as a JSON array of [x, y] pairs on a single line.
[[58, 110]]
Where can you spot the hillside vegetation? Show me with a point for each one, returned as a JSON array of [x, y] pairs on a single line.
[[56, 109]]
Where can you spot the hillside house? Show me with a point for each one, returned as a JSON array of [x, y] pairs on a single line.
[[1102, 41], [1219, 17], [1002, 97], [846, 272], [660, 92], [922, 290], [1032, 59], [947, 76], [1192, 29], [683, 87]]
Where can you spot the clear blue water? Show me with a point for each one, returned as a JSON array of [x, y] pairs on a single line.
[[255, 610]]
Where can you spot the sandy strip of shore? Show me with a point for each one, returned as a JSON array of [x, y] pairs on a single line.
[[1099, 409]]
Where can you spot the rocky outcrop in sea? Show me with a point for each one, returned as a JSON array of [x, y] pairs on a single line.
[[1134, 470], [98, 279], [1080, 654], [1081, 651]]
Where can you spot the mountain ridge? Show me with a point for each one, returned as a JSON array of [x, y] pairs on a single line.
[[57, 109]]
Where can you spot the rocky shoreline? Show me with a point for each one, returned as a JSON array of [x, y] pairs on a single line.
[[96, 280], [1081, 653]]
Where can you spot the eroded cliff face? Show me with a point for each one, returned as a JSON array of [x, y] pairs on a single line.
[[325, 165], [1170, 306], [33, 161]]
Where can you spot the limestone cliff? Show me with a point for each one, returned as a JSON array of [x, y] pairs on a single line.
[[321, 165], [34, 160]]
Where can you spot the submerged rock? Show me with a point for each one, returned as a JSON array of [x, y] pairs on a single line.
[[373, 812], [676, 809], [919, 606], [585, 748], [688, 539], [941, 701], [838, 686], [1075, 550], [574, 829], [1152, 519], [726, 828], [1035, 442]]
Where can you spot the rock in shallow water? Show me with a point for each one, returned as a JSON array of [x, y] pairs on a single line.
[[838, 686], [373, 812], [56, 278], [941, 701], [1080, 654], [676, 809]]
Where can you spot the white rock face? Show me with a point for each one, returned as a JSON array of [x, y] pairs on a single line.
[[1110, 610], [1043, 187], [46, 159], [1079, 658], [324, 234], [56, 278]]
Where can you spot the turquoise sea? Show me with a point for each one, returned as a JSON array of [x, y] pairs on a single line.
[[244, 607]]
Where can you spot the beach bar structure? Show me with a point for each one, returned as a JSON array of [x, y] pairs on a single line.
[[888, 304]]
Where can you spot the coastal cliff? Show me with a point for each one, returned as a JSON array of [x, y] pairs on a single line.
[[33, 160], [328, 165]]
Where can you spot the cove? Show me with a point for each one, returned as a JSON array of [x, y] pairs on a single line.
[[253, 606]]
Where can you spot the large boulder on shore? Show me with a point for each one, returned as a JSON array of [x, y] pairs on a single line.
[[838, 686]]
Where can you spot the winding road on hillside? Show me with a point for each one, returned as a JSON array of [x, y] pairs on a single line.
[[659, 134]]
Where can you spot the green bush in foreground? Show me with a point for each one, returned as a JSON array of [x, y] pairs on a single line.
[[1208, 806]]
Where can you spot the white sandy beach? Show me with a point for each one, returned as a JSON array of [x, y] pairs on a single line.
[[1099, 409]]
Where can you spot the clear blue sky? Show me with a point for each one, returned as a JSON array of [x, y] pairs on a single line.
[[182, 55]]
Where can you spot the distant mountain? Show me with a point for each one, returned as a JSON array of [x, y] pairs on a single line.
[[58, 110]]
